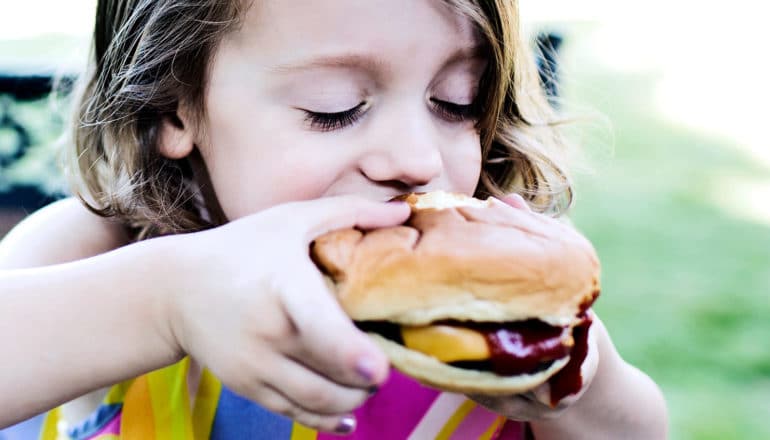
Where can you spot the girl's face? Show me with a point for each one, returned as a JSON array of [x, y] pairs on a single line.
[[314, 98]]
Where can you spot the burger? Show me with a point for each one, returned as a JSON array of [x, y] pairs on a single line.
[[469, 295]]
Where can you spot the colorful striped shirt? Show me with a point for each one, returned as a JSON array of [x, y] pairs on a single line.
[[157, 406]]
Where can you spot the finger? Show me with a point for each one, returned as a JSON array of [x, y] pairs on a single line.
[[346, 212], [503, 215], [328, 342], [587, 372], [542, 395], [591, 362], [275, 401], [311, 391], [537, 219], [517, 201]]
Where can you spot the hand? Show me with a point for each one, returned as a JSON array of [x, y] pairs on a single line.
[[254, 309], [536, 404]]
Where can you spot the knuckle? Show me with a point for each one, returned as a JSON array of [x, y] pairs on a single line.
[[279, 333], [293, 413], [311, 420], [283, 406], [319, 398], [271, 400], [242, 376], [355, 399]]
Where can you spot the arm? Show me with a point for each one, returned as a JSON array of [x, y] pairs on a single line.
[[65, 330], [617, 400], [59, 233], [621, 402], [74, 327]]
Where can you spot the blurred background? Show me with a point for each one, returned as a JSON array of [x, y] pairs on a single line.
[[673, 188]]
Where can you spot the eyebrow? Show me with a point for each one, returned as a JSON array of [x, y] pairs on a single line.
[[372, 64], [478, 51], [355, 61]]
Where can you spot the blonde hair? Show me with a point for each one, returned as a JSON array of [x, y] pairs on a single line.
[[150, 55]]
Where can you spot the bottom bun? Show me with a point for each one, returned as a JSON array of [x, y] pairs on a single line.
[[435, 373]]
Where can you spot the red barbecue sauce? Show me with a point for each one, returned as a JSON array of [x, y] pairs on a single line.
[[523, 346], [569, 380]]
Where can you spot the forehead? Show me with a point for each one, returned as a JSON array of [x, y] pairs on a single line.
[[283, 31]]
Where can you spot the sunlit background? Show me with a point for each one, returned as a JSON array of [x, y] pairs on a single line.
[[674, 188]]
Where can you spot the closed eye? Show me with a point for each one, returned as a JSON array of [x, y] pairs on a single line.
[[453, 112], [334, 121]]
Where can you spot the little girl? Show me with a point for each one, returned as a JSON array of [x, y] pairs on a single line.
[[214, 139]]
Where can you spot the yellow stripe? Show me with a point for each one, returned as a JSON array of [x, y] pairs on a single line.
[[137, 422], [205, 407], [171, 402], [161, 412], [455, 420], [180, 402], [117, 393], [487, 435], [301, 432], [107, 437], [49, 430]]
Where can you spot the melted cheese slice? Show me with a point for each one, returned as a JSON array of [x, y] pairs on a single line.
[[446, 343]]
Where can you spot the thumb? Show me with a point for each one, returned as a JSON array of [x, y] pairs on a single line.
[[516, 200], [349, 211]]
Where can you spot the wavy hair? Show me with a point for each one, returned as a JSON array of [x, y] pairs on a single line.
[[150, 55]]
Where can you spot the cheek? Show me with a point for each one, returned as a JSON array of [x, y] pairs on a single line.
[[255, 164], [462, 162], [248, 183]]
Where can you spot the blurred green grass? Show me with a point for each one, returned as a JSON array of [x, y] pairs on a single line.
[[685, 283]]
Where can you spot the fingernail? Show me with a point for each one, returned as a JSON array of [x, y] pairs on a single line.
[[397, 203], [365, 369], [346, 425]]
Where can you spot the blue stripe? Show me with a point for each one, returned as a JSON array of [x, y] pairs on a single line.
[[237, 418], [27, 430], [103, 415]]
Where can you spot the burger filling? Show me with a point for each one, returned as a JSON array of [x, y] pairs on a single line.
[[507, 349]]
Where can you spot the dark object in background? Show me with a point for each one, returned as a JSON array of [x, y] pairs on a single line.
[[547, 59], [18, 87], [21, 141], [17, 201], [27, 87]]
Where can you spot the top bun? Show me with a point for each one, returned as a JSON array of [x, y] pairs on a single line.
[[461, 258]]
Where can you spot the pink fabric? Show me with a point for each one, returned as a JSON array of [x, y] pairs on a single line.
[[393, 412], [113, 427], [474, 424], [401, 403]]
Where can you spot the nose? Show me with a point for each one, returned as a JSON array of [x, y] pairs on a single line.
[[408, 155]]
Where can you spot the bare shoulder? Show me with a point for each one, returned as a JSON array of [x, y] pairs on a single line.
[[61, 232]]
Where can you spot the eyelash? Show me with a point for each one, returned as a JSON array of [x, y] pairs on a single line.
[[456, 112], [335, 121]]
